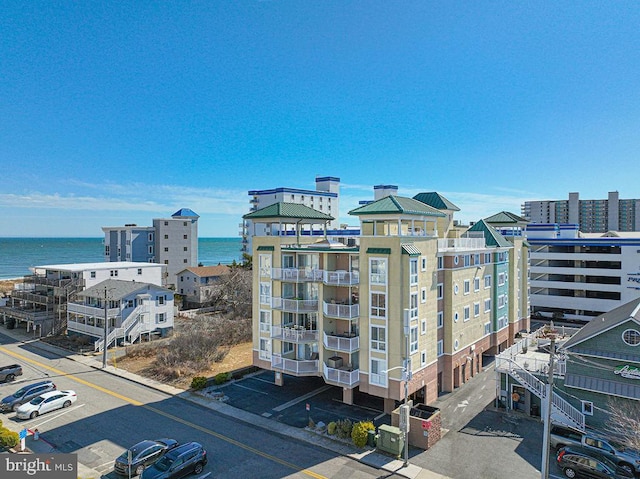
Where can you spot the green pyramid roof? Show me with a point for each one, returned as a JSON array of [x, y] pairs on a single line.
[[491, 236], [288, 210], [396, 205], [506, 218], [436, 200]]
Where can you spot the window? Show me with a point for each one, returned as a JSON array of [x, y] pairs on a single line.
[[413, 271], [166, 236], [185, 237], [440, 262], [456, 260], [378, 372], [501, 301], [467, 286], [185, 261], [423, 263], [467, 260], [487, 258], [265, 293], [587, 408], [455, 288], [129, 303], [631, 337], [440, 319], [93, 275], [423, 326], [476, 284], [378, 305], [467, 314], [113, 273], [487, 281], [166, 249], [440, 290], [413, 307], [185, 249], [160, 299], [150, 237], [455, 316], [502, 322], [166, 223], [476, 259], [264, 262], [440, 348], [476, 310], [150, 249], [423, 295], [378, 271], [139, 271], [487, 305], [487, 328], [378, 338], [456, 344], [423, 358], [501, 279], [265, 321], [413, 339], [160, 318]]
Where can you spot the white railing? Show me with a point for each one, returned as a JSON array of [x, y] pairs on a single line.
[[340, 343], [296, 275], [78, 327], [294, 334], [294, 305], [343, 311], [343, 377], [339, 278], [460, 244], [294, 366], [95, 311], [130, 328]]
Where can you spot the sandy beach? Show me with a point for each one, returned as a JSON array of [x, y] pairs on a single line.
[[6, 285]]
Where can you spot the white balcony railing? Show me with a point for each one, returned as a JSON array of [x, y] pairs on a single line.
[[296, 275], [94, 311], [342, 377], [341, 278], [78, 327], [342, 311], [294, 305], [303, 367], [452, 244], [294, 334], [345, 344]]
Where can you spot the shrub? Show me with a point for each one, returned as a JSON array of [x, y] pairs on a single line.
[[360, 431], [344, 428], [8, 438], [331, 428], [198, 383], [221, 378]]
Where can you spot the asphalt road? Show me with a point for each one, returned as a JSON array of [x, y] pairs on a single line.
[[113, 413]]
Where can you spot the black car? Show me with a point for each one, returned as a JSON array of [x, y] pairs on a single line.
[[577, 461], [142, 455], [26, 394], [180, 461]]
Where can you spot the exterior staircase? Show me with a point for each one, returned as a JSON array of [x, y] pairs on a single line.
[[130, 329]]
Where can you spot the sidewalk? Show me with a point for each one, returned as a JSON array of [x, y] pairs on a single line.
[[368, 457]]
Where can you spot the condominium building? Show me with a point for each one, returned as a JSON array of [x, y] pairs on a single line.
[[591, 216], [578, 276], [170, 241], [415, 300], [325, 198]]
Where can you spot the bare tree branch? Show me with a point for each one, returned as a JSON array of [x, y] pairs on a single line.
[[624, 422]]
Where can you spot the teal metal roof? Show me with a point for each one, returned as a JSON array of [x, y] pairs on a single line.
[[288, 210], [436, 200], [491, 236], [378, 250], [396, 205], [266, 248], [505, 218]]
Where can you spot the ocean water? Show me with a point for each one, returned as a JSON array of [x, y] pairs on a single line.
[[18, 254]]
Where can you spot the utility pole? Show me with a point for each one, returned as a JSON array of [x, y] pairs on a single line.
[[106, 330], [546, 440], [405, 409]]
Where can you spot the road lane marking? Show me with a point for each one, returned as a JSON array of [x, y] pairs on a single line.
[[250, 389], [286, 405], [56, 416], [169, 416]]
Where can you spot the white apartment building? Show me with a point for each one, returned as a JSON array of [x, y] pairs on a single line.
[[170, 241], [325, 198], [578, 276]]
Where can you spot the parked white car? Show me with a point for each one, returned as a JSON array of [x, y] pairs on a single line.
[[45, 403]]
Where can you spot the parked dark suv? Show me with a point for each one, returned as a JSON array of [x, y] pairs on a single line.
[[25, 394], [577, 461], [178, 462], [141, 455]]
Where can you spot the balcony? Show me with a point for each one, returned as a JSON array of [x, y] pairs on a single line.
[[78, 327], [341, 311], [341, 278], [95, 311], [296, 275], [294, 366], [295, 305], [346, 377], [457, 244], [347, 343], [294, 334]]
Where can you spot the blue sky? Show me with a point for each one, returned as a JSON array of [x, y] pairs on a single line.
[[114, 113]]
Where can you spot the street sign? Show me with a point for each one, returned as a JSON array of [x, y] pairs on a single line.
[[22, 434], [308, 407], [426, 425]]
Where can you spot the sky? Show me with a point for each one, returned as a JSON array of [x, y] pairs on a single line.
[[121, 112]]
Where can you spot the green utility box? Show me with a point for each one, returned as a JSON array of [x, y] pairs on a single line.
[[390, 440]]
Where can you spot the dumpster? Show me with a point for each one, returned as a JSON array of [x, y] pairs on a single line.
[[390, 440], [10, 323]]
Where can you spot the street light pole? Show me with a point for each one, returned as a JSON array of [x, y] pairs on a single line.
[[407, 378], [546, 439], [106, 330]]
